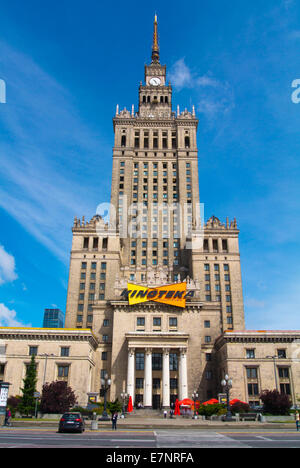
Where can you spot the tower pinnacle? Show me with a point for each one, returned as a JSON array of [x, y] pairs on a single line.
[[155, 47]]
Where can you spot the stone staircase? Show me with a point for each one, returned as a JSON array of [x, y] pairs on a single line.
[[144, 413]]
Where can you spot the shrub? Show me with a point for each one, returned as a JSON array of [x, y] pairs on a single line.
[[13, 403], [57, 397], [275, 403], [240, 407], [210, 410]]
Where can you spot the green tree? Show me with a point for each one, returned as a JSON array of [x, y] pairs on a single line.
[[27, 403]]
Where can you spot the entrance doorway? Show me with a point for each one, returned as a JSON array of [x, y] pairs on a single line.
[[156, 402]]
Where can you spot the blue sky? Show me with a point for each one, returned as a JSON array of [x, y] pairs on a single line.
[[67, 64]]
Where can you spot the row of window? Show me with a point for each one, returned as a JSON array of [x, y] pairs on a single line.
[[215, 246], [144, 141], [93, 243], [64, 351], [156, 383], [280, 353], [253, 385]]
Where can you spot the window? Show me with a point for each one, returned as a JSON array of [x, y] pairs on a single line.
[[85, 242], [83, 265], [140, 361], [156, 383], [173, 361], [251, 372], [174, 383], [224, 245], [157, 322], [139, 383], [208, 375], [104, 356], [33, 350], [281, 353], [63, 372], [105, 338], [94, 265], [96, 243], [208, 357], [156, 361], [285, 388], [250, 353], [207, 339], [173, 321], [103, 265], [253, 389], [65, 351], [105, 322], [207, 324], [283, 373], [140, 321]]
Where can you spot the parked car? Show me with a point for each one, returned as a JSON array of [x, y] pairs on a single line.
[[72, 422]]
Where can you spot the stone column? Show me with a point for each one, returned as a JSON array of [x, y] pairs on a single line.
[[131, 374], [148, 378], [183, 387], [166, 379]]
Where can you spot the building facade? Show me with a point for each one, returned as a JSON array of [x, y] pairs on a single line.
[[155, 294], [155, 237]]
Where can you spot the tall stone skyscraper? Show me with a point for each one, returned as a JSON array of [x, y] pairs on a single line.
[[156, 237]]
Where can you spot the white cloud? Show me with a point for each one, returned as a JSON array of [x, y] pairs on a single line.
[[8, 318], [212, 95], [180, 75], [7, 267], [49, 156]]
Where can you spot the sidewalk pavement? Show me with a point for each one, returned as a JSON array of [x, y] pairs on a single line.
[[138, 423]]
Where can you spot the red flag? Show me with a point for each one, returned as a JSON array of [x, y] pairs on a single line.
[[129, 407], [177, 408]]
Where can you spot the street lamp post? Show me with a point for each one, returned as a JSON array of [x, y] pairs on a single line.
[[105, 384], [195, 396], [45, 355], [227, 385], [123, 396]]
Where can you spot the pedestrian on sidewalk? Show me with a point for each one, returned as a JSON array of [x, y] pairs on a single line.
[[114, 419], [7, 417], [297, 419], [165, 414]]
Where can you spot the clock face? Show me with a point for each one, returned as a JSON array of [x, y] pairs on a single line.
[[155, 81]]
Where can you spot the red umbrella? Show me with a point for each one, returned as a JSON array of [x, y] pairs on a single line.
[[177, 408], [213, 401], [129, 407], [236, 400], [186, 402]]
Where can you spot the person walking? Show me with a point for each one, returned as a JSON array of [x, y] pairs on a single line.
[[114, 419], [297, 418], [7, 417]]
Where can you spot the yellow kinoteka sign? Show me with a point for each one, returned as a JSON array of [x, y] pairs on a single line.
[[172, 294]]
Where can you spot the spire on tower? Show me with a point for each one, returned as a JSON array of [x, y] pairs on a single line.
[[155, 47]]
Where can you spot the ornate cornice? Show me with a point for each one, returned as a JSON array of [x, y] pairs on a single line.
[[49, 334]]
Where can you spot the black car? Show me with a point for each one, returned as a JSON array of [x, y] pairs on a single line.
[[72, 422]]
